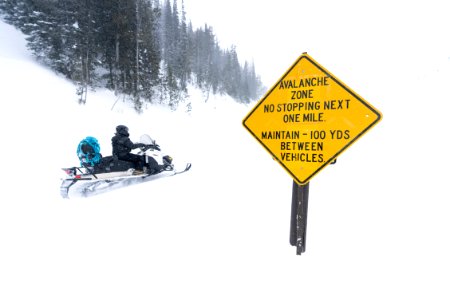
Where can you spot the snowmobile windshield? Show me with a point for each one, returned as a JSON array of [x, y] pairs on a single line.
[[146, 139]]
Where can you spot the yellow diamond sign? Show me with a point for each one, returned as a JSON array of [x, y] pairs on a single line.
[[308, 118]]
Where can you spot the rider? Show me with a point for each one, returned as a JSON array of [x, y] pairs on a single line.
[[122, 146]]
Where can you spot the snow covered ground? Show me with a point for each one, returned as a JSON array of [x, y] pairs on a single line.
[[378, 221]]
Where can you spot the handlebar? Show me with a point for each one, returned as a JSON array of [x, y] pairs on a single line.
[[150, 146]]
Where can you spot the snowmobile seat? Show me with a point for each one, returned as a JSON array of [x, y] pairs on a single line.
[[112, 164]]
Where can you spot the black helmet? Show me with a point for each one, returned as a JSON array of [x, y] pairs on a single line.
[[122, 129]]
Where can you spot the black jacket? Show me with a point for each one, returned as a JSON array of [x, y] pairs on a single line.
[[122, 145]]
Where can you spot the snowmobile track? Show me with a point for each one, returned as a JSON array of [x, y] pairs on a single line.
[[88, 188]]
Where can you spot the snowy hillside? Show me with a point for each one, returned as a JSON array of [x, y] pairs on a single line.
[[377, 223]]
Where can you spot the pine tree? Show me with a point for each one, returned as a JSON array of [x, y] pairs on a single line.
[[63, 60], [167, 33], [149, 53], [109, 18], [182, 59], [86, 50], [232, 73]]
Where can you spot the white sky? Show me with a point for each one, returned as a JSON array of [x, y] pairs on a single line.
[[336, 33]]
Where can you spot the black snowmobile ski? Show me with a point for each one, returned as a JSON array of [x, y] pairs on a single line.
[[187, 168]]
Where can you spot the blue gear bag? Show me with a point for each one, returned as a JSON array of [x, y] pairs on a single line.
[[88, 151]]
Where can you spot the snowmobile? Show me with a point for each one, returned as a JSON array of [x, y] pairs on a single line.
[[110, 172]]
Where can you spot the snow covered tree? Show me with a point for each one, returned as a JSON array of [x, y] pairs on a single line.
[[182, 59], [14, 12], [232, 74], [140, 47], [148, 50]]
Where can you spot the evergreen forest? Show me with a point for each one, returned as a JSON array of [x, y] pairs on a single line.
[[144, 50]]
